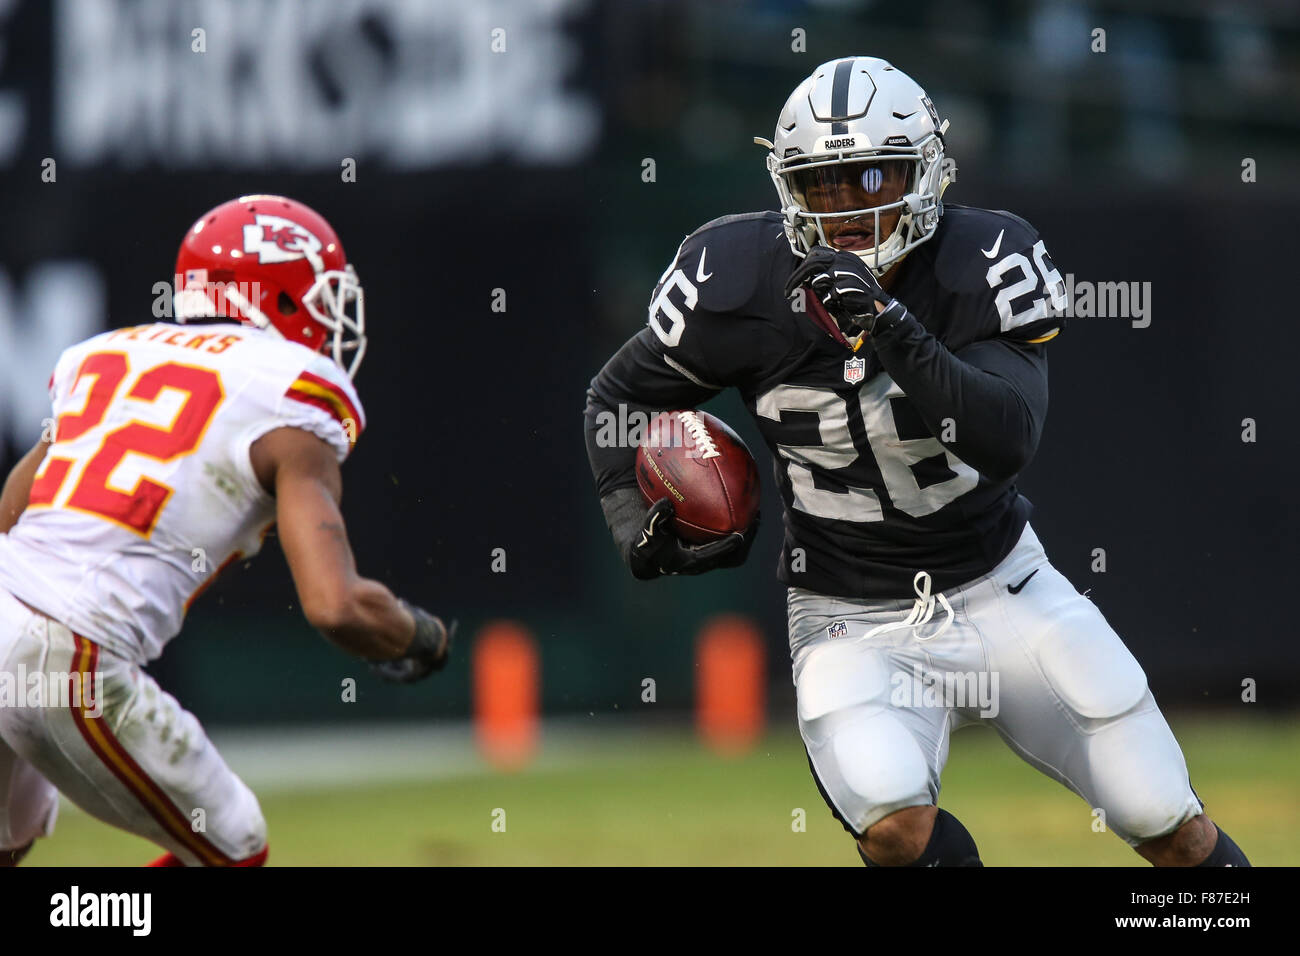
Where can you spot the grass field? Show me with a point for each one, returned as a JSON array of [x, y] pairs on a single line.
[[658, 798]]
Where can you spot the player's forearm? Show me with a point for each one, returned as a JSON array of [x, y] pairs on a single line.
[[613, 465], [13, 500], [992, 400], [365, 620], [18, 487], [625, 513], [610, 453]]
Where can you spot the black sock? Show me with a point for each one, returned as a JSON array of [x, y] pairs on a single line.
[[950, 845], [1225, 852]]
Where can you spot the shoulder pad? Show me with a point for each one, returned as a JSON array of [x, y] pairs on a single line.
[[70, 359], [322, 384], [972, 240], [724, 261], [997, 275]]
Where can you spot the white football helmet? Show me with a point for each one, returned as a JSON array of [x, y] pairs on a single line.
[[858, 143]]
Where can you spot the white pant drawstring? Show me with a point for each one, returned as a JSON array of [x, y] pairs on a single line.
[[922, 611]]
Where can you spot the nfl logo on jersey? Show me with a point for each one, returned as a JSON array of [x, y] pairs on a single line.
[[838, 628], [854, 369]]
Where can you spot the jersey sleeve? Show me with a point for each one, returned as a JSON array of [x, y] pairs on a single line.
[[322, 400], [699, 338], [986, 402], [63, 380], [699, 313], [62, 377], [1002, 281], [987, 378], [1027, 293]]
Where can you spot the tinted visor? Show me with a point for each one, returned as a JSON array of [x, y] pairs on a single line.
[[844, 187]]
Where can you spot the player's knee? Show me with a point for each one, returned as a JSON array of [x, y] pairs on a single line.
[[257, 859], [250, 848], [240, 829], [255, 837], [919, 836], [879, 761], [899, 838], [866, 761], [1186, 845], [867, 765], [1139, 778], [1197, 842], [1138, 821]]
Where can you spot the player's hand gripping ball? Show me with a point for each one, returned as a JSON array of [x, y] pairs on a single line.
[[702, 486]]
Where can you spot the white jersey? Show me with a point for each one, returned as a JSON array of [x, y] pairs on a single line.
[[148, 491]]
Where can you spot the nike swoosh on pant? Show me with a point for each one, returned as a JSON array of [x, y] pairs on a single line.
[[1015, 588]]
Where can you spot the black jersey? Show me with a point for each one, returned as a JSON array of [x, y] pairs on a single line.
[[897, 458]]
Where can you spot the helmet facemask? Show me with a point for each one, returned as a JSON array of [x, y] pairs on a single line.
[[863, 188], [337, 301]]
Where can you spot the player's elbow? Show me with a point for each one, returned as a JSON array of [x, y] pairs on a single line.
[[1004, 462], [1002, 470], [331, 611], [1005, 446]]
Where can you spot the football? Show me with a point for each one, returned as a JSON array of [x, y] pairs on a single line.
[[697, 461]]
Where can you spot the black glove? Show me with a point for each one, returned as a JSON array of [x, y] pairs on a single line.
[[429, 651], [658, 551], [845, 286]]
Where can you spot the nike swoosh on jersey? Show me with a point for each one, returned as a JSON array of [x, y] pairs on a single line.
[[1015, 588], [992, 253], [700, 275]]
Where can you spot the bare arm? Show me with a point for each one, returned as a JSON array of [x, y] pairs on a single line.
[[359, 615], [18, 486]]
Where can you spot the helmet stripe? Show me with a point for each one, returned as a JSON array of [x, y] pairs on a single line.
[[840, 95]]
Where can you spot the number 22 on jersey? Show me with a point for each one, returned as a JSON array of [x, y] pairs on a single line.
[[107, 375]]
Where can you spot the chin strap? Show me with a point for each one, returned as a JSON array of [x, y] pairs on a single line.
[[252, 312]]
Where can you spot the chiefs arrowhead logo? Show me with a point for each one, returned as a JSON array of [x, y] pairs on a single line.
[[276, 239]]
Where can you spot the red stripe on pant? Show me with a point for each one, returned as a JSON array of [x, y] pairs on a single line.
[[104, 745]]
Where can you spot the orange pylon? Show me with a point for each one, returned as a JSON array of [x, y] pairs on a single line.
[[730, 684], [506, 680]]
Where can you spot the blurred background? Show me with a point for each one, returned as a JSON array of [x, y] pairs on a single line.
[[502, 145]]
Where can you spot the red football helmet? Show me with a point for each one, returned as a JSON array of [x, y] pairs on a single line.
[[273, 263]]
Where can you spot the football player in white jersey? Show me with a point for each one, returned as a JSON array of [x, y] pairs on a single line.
[[175, 449]]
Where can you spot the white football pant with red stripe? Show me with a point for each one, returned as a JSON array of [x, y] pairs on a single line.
[[80, 719]]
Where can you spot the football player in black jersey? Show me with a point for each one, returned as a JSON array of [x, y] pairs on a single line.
[[892, 350]]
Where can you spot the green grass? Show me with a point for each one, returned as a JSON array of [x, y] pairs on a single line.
[[667, 801]]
